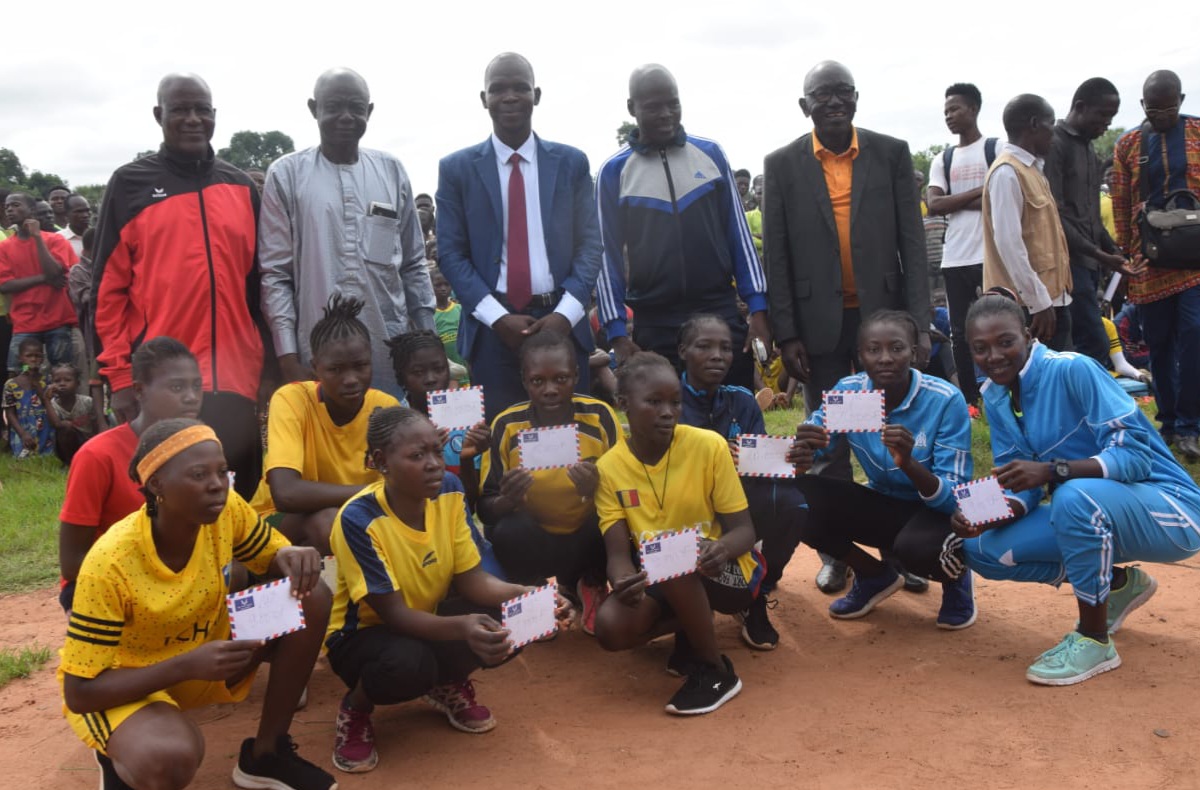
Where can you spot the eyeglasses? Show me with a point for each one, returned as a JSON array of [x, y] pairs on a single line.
[[843, 92], [1161, 111]]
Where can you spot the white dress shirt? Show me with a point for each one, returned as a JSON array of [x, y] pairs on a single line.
[[76, 239], [1007, 202], [541, 280]]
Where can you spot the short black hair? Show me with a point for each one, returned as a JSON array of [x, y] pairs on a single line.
[[967, 91], [993, 303], [67, 366], [339, 322], [154, 353], [545, 340], [690, 328], [55, 188], [740, 172], [29, 200], [1092, 91], [637, 367], [30, 342], [1022, 109], [897, 317]]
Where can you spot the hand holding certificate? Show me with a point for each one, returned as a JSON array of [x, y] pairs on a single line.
[[764, 456], [853, 412], [670, 555], [982, 501], [549, 448], [530, 617], [264, 612], [459, 408]]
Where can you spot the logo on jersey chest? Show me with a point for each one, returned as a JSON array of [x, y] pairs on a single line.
[[430, 559]]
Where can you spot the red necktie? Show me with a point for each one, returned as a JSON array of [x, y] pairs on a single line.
[[519, 288]]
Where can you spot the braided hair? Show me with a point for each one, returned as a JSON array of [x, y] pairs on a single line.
[[403, 347], [152, 437], [382, 425], [339, 322], [155, 353]]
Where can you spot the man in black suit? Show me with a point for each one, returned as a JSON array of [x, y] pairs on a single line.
[[842, 238]]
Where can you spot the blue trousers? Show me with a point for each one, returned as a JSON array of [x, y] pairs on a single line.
[[1171, 329], [1089, 525]]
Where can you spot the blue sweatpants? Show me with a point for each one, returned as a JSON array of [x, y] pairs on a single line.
[[1089, 525]]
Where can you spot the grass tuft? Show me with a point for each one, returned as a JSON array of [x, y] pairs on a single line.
[[21, 662]]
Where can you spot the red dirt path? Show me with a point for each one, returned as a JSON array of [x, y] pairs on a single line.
[[885, 702]]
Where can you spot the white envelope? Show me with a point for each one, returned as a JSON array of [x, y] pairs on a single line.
[[549, 448], [670, 554], [530, 616], [982, 501], [848, 412], [459, 408], [264, 612], [764, 456]]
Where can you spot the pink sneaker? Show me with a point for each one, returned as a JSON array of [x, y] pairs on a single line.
[[354, 745], [590, 599], [457, 701]]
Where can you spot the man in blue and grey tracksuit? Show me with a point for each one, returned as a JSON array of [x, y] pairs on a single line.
[[675, 236]]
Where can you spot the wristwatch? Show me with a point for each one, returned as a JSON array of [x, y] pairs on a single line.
[[1060, 471]]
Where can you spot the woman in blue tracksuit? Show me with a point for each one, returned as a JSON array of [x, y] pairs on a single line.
[[776, 506], [912, 466], [1116, 492]]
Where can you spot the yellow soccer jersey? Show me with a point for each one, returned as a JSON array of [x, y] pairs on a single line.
[[688, 486], [131, 610], [301, 436], [552, 500], [378, 553]]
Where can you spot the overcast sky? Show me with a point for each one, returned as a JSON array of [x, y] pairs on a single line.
[[78, 91]]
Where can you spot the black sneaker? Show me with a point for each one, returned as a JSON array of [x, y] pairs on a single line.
[[283, 770], [757, 631], [706, 689], [109, 780], [681, 659]]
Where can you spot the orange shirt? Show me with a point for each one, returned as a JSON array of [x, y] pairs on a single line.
[[839, 174]]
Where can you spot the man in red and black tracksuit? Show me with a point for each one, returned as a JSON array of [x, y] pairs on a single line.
[[175, 256]]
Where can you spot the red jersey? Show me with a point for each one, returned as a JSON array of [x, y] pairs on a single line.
[[42, 307], [100, 491]]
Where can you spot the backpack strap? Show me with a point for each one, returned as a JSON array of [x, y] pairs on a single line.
[[1143, 160], [947, 158], [989, 150]]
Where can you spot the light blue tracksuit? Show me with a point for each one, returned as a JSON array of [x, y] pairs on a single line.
[[1145, 507]]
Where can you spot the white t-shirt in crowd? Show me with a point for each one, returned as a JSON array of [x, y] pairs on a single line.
[[964, 229]]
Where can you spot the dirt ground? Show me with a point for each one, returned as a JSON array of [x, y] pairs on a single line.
[[885, 702]]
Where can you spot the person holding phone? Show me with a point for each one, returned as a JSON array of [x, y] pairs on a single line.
[[376, 252]]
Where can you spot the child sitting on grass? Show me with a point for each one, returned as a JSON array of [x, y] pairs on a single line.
[[72, 415], [30, 432]]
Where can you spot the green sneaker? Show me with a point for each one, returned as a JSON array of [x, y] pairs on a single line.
[[1073, 660], [1139, 586]]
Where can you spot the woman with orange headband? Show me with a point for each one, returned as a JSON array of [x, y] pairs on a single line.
[[149, 632]]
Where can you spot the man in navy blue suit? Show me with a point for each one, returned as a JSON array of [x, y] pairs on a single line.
[[518, 237]]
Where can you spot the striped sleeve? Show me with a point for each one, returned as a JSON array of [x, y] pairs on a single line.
[[361, 559], [95, 625], [255, 542]]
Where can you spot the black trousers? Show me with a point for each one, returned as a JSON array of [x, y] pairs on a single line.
[[779, 513], [529, 554], [235, 421], [963, 284], [395, 668], [842, 513], [825, 371]]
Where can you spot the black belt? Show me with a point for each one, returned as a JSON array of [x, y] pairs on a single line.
[[536, 301]]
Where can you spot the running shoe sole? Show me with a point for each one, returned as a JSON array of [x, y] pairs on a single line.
[[960, 626], [1102, 667], [875, 600], [728, 695], [455, 723], [1135, 603]]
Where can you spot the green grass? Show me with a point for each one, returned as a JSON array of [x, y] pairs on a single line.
[[21, 662], [29, 505]]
